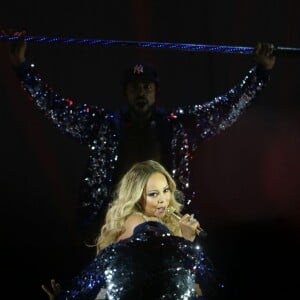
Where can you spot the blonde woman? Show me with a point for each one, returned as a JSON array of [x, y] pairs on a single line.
[[143, 250]]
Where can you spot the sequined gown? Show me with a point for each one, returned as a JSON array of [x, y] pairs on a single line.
[[179, 132], [151, 264]]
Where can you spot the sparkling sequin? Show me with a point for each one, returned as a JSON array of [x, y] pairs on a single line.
[[150, 265], [97, 128]]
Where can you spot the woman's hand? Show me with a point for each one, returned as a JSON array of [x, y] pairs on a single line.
[[189, 226], [54, 291]]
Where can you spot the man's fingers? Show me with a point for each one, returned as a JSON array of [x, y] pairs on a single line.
[[46, 290]]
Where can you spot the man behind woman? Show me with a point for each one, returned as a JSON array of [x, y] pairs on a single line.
[[143, 251]]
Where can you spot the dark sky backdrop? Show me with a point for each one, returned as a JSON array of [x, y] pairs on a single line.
[[247, 178]]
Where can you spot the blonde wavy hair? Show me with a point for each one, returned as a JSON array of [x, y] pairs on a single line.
[[127, 200]]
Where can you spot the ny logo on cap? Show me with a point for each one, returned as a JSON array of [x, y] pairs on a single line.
[[138, 69]]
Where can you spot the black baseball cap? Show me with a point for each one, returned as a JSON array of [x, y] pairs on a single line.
[[140, 71]]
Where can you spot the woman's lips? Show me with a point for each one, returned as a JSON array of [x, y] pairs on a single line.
[[161, 210]]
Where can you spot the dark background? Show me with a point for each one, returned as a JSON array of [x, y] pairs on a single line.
[[247, 178]]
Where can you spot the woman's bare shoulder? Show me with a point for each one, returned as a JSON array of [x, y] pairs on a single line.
[[131, 222]]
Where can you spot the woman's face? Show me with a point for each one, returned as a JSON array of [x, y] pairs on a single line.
[[157, 196]]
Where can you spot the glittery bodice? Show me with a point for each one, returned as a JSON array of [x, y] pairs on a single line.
[[180, 131], [151, 264]]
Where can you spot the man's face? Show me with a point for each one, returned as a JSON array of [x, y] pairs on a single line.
[[141, 95]]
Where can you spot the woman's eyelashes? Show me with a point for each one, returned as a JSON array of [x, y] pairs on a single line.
[[154, 194]]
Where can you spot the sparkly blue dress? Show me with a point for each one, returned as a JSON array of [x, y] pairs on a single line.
[[152, 264]]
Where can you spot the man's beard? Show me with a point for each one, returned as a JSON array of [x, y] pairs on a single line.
[[145, 113]]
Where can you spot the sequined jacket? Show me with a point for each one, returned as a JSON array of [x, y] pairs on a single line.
[[181, 130]]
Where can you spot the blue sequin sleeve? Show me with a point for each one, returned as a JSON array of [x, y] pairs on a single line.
[[88, 283], [207, 276], [212, 117], [77, 120]]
